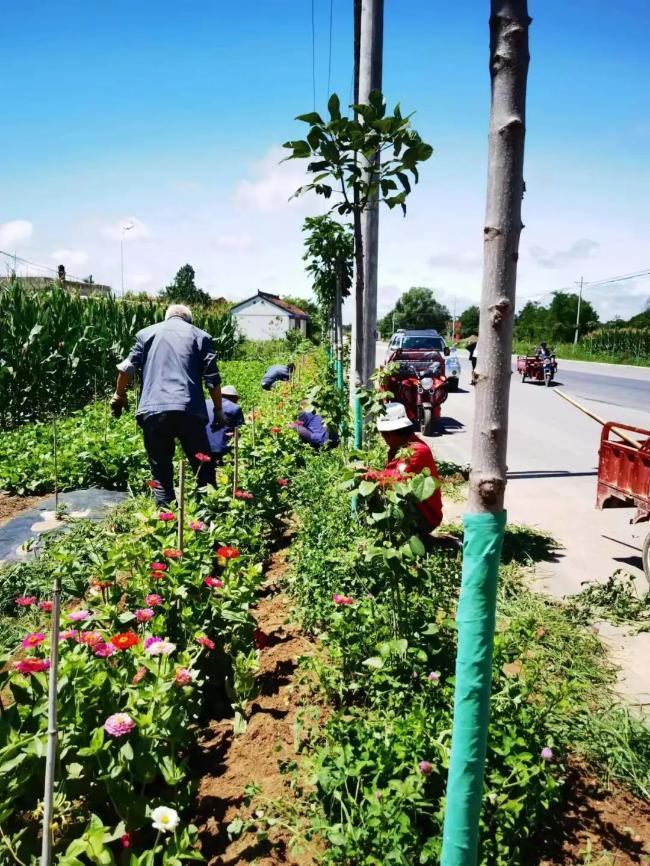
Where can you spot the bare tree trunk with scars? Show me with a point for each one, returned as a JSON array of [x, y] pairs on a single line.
[[485, 521]]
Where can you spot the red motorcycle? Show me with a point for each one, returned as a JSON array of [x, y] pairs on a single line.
[[421, 392]]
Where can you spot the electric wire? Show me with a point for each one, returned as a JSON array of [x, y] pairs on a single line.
[[329, 59], [313, 53], [15, 258]]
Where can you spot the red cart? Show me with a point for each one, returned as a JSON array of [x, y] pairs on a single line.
[[624, 476], [537, 369]]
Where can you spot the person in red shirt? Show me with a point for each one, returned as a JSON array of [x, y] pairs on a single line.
[[407, 456]]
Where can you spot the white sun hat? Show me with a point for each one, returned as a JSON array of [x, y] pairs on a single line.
[[229, 391], [395, 418]]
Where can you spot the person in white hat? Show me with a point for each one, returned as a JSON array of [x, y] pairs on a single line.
[[408, 455], [221, 438]]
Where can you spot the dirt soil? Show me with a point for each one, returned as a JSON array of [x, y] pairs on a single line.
[[269, 742], [11, 505], [604, 825]]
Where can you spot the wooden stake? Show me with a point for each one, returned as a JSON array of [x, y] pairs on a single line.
[[181, 503], [253, 432], [597, 418], [52, 727], [56, 464], [235, 454]]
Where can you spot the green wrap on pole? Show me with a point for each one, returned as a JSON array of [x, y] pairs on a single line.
[[358, 423], [475, 618], [339, 374]]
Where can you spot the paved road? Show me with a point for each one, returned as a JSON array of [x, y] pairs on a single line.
[[552, 471]]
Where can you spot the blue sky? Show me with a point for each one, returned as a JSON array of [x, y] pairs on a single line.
[[168, 115]]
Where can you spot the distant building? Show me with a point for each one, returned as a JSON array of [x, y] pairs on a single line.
[[268, 317], [84, 290]]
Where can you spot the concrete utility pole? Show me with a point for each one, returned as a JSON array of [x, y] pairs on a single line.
[[576, 335], [370, 78]]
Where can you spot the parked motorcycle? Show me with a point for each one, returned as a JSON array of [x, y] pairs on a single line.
[[432, 393]]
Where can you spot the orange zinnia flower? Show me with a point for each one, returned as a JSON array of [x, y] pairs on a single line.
[[125, 640]]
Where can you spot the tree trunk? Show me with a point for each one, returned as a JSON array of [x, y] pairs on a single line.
[[485, 522]]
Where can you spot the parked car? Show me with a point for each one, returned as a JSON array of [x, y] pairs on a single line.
[[452, 370]]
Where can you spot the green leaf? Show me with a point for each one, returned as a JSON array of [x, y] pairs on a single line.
[[417, 546], [374, 662], [367, 487], [334, 107], [311, 117]]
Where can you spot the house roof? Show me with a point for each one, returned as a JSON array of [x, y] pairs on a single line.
[[294, 312]]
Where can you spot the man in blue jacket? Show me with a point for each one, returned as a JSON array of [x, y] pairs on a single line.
[[221, 439], [312, 429], [173, 359], [277, 373]]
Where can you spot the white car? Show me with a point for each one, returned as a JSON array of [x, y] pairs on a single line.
[[452, 370]]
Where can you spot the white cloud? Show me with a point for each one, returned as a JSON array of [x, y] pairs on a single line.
[[273, 185], [580, 249], [15, 233], [462, 261], [70, 258], [116, 230]]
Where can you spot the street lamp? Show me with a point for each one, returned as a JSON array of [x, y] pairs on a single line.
[[125, 228]]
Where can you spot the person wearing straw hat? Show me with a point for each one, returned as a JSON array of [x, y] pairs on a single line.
[[408, 455], [221, 438]]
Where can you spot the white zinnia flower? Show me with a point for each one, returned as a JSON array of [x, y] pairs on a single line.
[[160, 648], [164, 819]]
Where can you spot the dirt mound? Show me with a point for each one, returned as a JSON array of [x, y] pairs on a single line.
[[269, 743]]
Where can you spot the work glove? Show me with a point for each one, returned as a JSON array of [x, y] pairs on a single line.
[[119, 402], [218, 421]]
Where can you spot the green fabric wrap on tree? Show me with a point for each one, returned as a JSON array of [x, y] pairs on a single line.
[[475, 618]]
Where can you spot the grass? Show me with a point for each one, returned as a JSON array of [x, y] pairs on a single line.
[[618, 600]]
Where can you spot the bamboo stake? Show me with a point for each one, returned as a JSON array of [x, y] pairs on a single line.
[[181, 503], [597, 418], [52, 728], [253, 433], [56, 464], [235, 471]]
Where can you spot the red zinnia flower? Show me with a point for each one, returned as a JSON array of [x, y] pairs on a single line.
[[32, 666], [158, 566], [102, 584], [213, 582], [90, 638], [282, 482], [166, 515], [154, 485], [26, 600], [125, 640], [206, 642], [203, 458], [227, 552], [46, 606], [157, 575], [172, 553], [276, 429], [243, 494], [125, 840]]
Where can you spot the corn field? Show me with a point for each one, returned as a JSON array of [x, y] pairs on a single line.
[[58, 351], [624, 342]]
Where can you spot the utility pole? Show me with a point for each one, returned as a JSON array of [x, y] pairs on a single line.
[[575, 338], [370, 78], [125, 228], [356, 334]]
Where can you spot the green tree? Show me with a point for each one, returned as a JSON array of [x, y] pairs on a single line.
[[329, 248], [183, 290], [313, 311], [416, 309], [563, 310], [469, 321]]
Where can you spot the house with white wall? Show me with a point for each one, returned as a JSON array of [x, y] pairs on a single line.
[[268, 317]]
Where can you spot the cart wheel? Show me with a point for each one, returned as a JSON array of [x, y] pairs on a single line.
[[645, 556], [523, 378], [427, 421]]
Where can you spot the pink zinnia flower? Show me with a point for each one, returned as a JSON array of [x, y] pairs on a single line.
[[166, 516], [67, 634], [125, 840], [171, 553], [206, 642], [153, 599], [434, 676], [104, 650], [203, 458], [144, 614], [213, 582], [282, 482], [119, 724], [158, 566], [151, 640], [197, 525], [79, 615], [32, 639], [546, 754], [342, 599], [26, 600], [243, 494], [90, 638], [183, 677], [160, 648], [139, 675], [46, 606], [32, 666], [425, 767]]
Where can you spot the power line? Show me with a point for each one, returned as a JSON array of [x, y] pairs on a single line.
[[329, 61], [313, 53], [15, 258], [592, 284]]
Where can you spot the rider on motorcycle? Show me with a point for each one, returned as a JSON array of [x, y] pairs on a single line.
[[543, 352]]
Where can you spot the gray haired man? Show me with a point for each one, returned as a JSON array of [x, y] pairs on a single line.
[[173, 358]]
